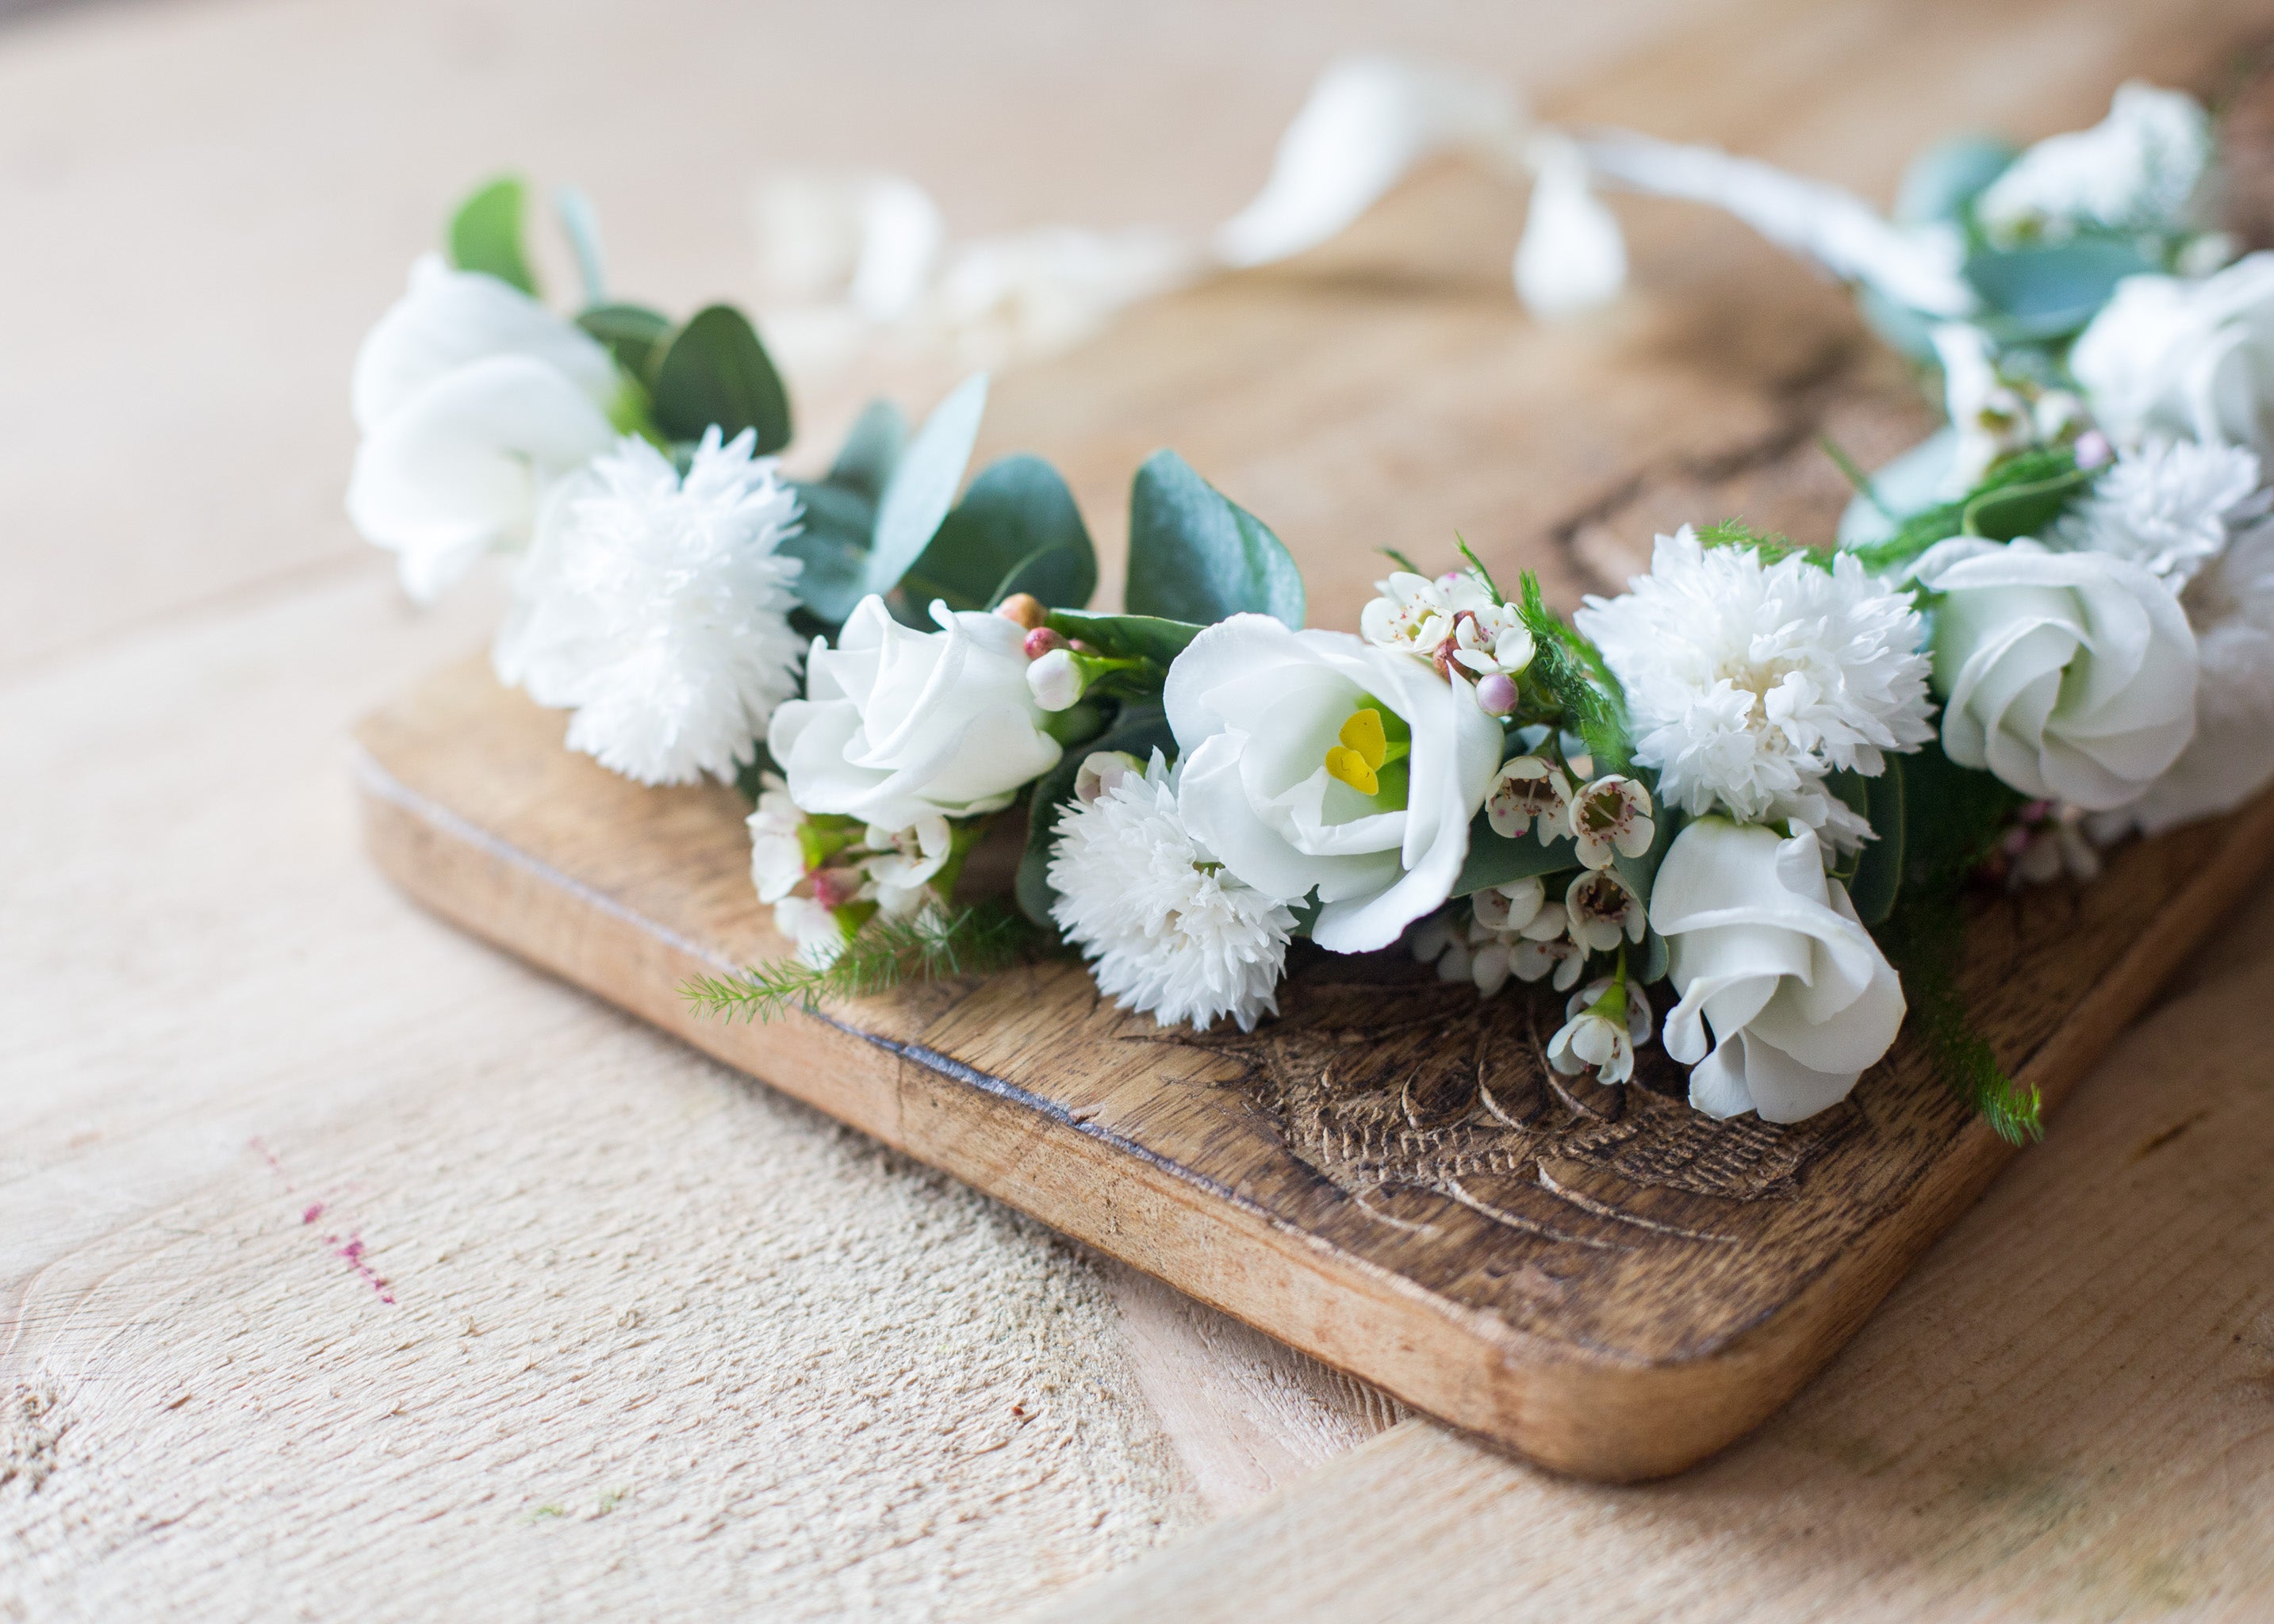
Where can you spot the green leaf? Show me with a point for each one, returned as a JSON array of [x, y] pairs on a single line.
[[833, 542], [1017, 530], [872, 448], [1140, 727], [1951, 818], [1127, 636], [1196, 555], [1880, 871], [632, 334], [2027, 509], [716, 373], [580, 223], [1495, 860], [1942, 182], [486, 233], [839, 514], [2045, 293], [923, 484]]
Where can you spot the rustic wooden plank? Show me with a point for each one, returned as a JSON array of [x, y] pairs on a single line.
[[1615, 1294], [2066, 1412], [1386, 1177]]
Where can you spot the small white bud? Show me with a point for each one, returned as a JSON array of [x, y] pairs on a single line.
[[1056, 679]]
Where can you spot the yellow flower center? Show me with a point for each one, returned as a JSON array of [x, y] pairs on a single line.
[[1367, 743]]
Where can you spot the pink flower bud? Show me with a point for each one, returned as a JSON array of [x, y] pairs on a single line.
[[833, 888], [2093, 450], [1496, 695], [1041, 641]]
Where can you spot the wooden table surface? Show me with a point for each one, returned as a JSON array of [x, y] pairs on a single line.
[[348, 1269]]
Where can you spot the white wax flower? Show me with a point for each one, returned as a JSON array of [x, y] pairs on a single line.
[[1171, 932], [472, 399], [658, 610], [1748, 682], [2168, 506], [1450, 621], [1598, 907], [1294, 776], [1988, 416], [777, 854], [2231, 605], [1593, 1037], [1765, 949], [2070, 675], [897, 723], [2169, 359], [2138, 171], [904, 863]]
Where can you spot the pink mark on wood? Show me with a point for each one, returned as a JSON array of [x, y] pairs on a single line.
[[351, 1249]]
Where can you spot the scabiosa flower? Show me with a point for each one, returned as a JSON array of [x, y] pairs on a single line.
[[2170, 506], [1172, 933], [1748, 682], [658, 610]]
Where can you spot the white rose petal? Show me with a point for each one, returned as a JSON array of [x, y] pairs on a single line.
[[2177, 359], [897, 723], [1768, 952], [474, 399], [2070, 675]]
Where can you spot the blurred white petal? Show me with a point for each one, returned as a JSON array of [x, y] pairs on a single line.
[[1572, 258]]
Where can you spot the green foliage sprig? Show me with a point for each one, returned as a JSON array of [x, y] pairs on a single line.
[[884, 954], [2020, 495], [1925, 941], [1570, 670]]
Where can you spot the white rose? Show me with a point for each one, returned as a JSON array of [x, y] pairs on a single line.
[[474, 399], [2171, 358], [1766, 949], [2069, 675], [897, 723], [1275, 750]]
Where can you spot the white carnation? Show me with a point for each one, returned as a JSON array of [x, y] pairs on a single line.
[[658, 610], [1174, 934], [1748, 682], [2169, 506]]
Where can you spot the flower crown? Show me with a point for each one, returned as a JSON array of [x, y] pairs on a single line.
[[1741, 792]]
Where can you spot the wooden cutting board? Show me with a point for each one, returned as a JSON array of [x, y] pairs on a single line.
[[1387, 1176]]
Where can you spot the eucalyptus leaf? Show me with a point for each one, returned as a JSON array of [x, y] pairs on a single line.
[[1942, 182], [2050, 292], [1017, 530], [486, 233], [1127, 636], [832, 544], [716, 373], [1140, 727], [923, 484], [1495, 860], [1880, 871], [872, 448], [632, 332], [1196, 555], [580, 223]]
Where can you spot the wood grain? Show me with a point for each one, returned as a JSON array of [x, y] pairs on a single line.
[[1607, 1285], [2066, 1412], [1579, 1289]]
